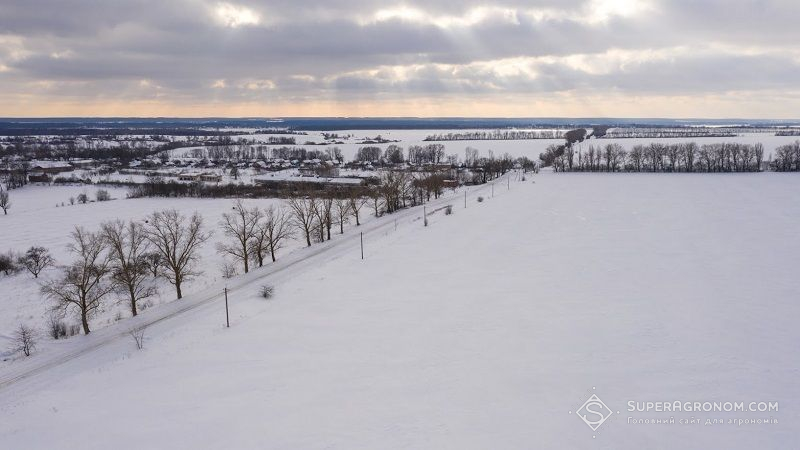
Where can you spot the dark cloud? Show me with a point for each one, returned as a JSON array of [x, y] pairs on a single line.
[[178, 51]]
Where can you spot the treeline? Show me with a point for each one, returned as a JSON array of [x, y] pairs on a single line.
[[787, 158], [159, 187], [122, 152], [281, 140], [98, 132], [497, 135], [652, 133], [280, 131], [684, 157], [301, 154]]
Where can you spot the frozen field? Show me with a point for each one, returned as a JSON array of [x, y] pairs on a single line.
[[483, 330], [34, 219]]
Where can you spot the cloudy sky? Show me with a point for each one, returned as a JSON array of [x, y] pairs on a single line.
[[514, 58]]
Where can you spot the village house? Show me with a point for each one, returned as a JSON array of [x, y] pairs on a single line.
[[200, 176], [51, 167]]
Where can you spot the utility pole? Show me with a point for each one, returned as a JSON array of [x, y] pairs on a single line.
[[509, 183], [227, 316], [424, 216], [465, 199], [362, 245], [493, 189]]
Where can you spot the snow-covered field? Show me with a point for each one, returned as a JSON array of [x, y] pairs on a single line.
[[487, 329], [38, 218]]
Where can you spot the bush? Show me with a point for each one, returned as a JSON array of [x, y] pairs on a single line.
[[56, 327], [228, 270], [138, 337], [102, 195], [83, 198], [9, 263], [74, 329], [266, 291], [448, 210], [480, 199]]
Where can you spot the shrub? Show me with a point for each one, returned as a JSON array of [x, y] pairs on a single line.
[[448, 210], [9, 263], [83, 198], [228, 270], [74, 329], [138, 337], [480, 199], [266, 291], [102, 195], [56, 327]]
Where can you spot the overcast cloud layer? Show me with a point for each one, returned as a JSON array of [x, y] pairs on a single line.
[[646, 58]]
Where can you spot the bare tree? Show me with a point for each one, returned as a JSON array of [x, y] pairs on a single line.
[[240, 226], [130, 268], [5, 201], [271, 233], [375, 196], [303, 210], [177, 240], [342, 212], [324, 213], [36, 259], [23, 340], [83, 285], [357, 201]]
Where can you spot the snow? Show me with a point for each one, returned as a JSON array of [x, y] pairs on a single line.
[[35, 219], [482, 330]]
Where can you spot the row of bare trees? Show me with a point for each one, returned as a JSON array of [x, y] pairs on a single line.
[[787, 158], [663, 132], [496, 135], [655, 157], [314, 215], [254, 233], [124, 257]]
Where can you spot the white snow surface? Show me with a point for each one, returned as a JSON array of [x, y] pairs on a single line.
[[42, 216], [485, 330]]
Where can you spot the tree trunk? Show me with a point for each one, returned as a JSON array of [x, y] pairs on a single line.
[[85, 322], [133, 302], [178, 288]]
